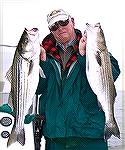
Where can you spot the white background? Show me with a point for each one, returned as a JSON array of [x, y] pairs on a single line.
[[18, 14]]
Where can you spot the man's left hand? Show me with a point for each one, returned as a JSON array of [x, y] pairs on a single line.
[[82, 44]]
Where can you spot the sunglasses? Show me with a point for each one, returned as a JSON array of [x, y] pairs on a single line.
[[56, 24]]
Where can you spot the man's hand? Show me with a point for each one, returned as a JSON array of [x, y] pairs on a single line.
[[82, 44], [42, 53]]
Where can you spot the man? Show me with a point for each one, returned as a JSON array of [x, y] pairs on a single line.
[[72, 117]]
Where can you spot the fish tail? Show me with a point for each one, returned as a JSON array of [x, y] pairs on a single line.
[[16, 137], [21, 137], [12, 138], [111, 128], [116, 131]]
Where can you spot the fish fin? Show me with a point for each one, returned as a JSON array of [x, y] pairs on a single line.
[[100, 106], [10, 100], [30, 67], [111, 128], [21, 137], [16, 137], [13, 137], [32, 108], [115, 130], [34, 104], [8, 75], [87, 66], [41, 72], [115, 93], [98, 58]]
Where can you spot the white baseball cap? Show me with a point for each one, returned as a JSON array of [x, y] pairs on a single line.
[[56, 15]]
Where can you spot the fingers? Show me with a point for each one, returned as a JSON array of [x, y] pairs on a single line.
[[42, 53], [85, 33], [82, 45], [84, 37]]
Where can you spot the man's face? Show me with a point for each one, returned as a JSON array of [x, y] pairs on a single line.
[[65, 33]]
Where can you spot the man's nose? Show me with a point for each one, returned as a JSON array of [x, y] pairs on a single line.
[[60, 27]]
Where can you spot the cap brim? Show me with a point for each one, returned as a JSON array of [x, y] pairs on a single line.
[[58, 18]]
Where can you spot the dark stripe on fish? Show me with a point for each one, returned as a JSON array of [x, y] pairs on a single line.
[[98, 58]]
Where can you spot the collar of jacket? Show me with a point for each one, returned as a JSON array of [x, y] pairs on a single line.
[[49, 44]]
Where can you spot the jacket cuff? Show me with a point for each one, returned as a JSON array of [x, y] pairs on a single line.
[[29, 118], [7, 109]]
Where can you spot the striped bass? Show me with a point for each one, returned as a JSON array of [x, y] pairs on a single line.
[[23, 76], [100, 78]]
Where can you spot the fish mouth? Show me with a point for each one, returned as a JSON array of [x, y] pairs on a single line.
[[88, 27], [94, 25], [87, 24], [32, 31]]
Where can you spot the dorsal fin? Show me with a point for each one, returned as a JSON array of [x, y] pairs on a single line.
[[9, 74]]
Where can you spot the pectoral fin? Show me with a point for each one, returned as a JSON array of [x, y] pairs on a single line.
[[88, 65], [9, 74], [10, 100], [31, 67], [114, 93], [98, 58]]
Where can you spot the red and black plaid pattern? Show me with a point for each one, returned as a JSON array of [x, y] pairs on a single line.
[[49, 44]]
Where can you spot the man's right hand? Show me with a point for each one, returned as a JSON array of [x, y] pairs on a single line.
[[42, 53], [82, 44]]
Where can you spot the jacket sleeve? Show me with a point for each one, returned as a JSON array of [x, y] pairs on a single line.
[[115, 67], [46, 67], [42, 84]]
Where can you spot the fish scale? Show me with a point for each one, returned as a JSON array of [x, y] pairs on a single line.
[[106, 76], [100, 78], [23, 76]]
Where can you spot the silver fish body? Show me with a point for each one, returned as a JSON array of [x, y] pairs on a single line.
[[23, 76], [100, 78]]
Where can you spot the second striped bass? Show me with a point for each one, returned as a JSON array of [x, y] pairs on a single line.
[[100, 78]]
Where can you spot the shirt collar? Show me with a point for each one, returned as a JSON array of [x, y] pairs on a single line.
[[70, 43]]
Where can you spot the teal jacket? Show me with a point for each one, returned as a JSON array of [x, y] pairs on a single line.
[[70, 108]]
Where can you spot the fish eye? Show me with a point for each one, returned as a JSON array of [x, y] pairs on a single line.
[[97, 25], [35, 29], [26, 40]]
